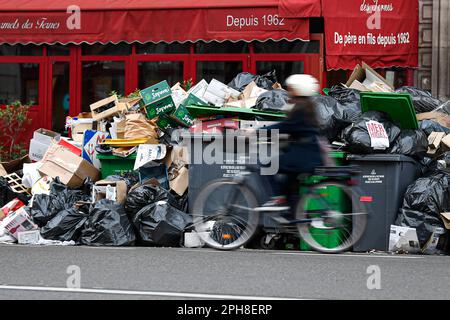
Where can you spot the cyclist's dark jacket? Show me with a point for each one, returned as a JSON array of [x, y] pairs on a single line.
[[303, 155]]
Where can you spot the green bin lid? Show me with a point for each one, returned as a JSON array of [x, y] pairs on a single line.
[[197, 111], [398, 106], [326, 91], [337, 154]]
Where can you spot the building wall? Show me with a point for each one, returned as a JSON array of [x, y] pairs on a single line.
[[434, 41]]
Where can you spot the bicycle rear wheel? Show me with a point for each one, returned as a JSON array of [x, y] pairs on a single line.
[[223, 215], [334, 227]]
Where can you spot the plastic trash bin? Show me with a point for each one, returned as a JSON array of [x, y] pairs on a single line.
[[112, 165], [383, 177]]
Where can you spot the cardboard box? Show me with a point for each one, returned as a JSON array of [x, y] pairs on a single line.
[[194, 100], [217, 93], [107, 108], [158, 99], [441, 118], [18, 221], [252, 91], [111, 190], [90, 141], [149, 152], [130, 103], [79, 129], [42, 139], [434, 142], [29, 237], [164, 122], [11, 206], [403, 239], [369, 79], [71, 145], [181, 182], [182, 116], [199, 89], [178, 94], [71, 169]]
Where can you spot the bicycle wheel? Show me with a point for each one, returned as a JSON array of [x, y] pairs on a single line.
[[334, 228], [223, 215]]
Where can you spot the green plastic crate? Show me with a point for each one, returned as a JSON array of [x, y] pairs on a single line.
[[398, 106], [112, 165], [329, 238]]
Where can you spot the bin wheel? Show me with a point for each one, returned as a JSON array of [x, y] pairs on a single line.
[[268, 245]]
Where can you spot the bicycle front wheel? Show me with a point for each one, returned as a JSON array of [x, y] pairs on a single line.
[[336, 222], [223, 214]]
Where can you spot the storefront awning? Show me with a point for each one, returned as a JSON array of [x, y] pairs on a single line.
[[383, 34], [43, 21]]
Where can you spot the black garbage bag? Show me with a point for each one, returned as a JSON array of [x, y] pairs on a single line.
[[66, 225], [429, 126], [273, 100], [46, 207], [357, 135], [423, 100], [344, 95], [427, 165], [411, 143], [179, 202], [265, 81], [334, 117], [161, 224], [429, 195], [108, 225], [443, 162], [7, 194], [143, 196], [424, 224]]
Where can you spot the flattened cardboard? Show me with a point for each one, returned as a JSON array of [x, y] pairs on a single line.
[[217, 93], [441, 118], [180, 183], [434, 142]]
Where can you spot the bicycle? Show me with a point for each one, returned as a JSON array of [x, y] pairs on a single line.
[[233, 223]]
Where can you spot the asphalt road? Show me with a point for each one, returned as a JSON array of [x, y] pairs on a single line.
[[41, 272]]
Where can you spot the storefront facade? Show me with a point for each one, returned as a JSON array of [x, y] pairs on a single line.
[[62, 58]]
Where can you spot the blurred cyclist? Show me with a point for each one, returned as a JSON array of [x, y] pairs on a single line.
[[304, 152]]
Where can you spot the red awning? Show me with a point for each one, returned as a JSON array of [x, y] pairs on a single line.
[[43, 21], [383, 34]]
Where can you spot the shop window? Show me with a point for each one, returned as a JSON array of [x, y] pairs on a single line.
[[162, 48], [19, 82], [100, 78], [396, 77], [106, 49], [154, 72], [60, 95], [223, 71], [20, 50], [284, 46], [58, 50], [283, 68], [221, 47]]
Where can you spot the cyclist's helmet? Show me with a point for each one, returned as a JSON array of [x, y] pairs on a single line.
[[303, 85]]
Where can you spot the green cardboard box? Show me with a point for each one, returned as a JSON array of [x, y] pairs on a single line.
[[165, 122], [157, 99], [182, 116], [194, 100]]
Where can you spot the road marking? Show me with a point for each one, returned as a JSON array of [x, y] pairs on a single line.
[[144, 293]]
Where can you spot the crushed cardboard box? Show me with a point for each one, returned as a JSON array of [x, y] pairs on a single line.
[[111, 190], [70, 168], [441, 118], [364, 78], [42, 139]]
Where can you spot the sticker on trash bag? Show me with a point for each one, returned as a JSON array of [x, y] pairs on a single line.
[[149, 152], [379, 139]]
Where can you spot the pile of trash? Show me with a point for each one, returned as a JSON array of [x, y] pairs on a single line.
[[118, 178], [366, 116]]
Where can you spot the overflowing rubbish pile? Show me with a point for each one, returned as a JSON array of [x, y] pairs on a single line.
[[118, 178]]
